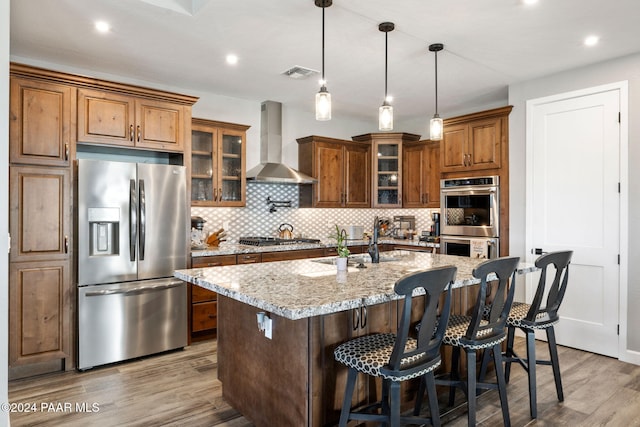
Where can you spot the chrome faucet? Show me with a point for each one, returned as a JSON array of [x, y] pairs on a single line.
[[373, 243]]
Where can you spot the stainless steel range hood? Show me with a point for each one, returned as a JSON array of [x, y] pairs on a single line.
[[271, 169]]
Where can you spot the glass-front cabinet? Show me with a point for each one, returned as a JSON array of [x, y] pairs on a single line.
[[387, 174], [218, 163], [387, 166]]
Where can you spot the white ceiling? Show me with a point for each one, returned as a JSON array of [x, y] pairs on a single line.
[[489, 44]]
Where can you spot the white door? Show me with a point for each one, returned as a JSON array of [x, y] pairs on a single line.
[[573, 175]]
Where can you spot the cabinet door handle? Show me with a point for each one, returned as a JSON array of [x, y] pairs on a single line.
[[355, 314], [215, 194], [66, 151], [66, 244], [220, 194], [213, 264], [131, 132], [139, 132], [363, 316]]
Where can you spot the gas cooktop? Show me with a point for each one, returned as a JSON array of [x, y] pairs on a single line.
[[273, 241]]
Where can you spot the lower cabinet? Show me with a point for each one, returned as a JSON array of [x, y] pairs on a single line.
[[203, 303], [40, 323]]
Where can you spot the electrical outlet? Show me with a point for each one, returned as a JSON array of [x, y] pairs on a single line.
[[268, 324]]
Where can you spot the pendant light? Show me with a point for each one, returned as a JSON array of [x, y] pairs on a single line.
[[435, 126], [385, 112], [323, 97]]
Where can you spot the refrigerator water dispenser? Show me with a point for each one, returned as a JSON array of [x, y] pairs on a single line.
[[104, 230]]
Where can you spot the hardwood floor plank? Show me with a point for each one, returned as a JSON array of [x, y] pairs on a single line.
[[181, 388]]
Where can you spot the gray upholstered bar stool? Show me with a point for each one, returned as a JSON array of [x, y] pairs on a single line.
[[475, 332], [398, 357], [532, 317]]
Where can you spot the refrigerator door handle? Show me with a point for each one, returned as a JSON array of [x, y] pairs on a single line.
[[143, 219], [133, 219], [136, 290]]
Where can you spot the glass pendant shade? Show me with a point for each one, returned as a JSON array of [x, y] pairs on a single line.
[[435, 128], [385, 117], [323, 104]]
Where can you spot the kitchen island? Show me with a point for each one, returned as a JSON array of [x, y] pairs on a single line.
[[291, 379]]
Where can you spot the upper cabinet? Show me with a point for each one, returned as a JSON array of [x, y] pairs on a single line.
[[421, 175], [475, 141], [342, 169], [115, 119], [387, 166], [218, 163], [40, 122]]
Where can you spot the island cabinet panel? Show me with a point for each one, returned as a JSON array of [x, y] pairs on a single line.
[[264, 379]]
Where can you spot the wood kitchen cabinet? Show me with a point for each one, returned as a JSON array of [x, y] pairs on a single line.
[[40, 122], [386, 166], [487, 133], [474, 141], [120, 119], [39, 213], [343, 171], [421, 175], [40, 308], [218, 163], [40, 312], [203, 303], [291, 255]]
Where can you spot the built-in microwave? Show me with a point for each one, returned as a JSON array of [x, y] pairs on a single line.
[[475, 247], [470, 206]]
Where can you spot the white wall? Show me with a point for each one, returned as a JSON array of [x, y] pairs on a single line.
[[626, 68], [4, 204]]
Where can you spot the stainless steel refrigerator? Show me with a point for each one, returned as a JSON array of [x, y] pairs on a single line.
[[133, 228]]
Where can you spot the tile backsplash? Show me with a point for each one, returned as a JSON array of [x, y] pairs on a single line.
[[255, 219]]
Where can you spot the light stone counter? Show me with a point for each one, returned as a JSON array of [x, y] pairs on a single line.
[[306, 288], [227, 248]]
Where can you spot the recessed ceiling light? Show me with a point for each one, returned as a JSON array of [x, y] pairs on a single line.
[[232, 59], [529, 2], [102, 26], [591, 41]]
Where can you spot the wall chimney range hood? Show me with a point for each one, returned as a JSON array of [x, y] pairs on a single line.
[[271, 169]]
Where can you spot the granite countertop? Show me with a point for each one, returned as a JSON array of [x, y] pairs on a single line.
[[311, 287], [227, 248]]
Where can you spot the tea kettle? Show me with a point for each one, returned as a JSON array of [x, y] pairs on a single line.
[[285, 231]]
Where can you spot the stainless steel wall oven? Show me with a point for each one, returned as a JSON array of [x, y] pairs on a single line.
[[469, 219]]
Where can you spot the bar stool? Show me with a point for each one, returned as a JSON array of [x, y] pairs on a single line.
[[474, 332], [532, 317], [397, 357]]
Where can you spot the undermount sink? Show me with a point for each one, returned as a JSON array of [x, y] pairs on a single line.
[[356, 259]]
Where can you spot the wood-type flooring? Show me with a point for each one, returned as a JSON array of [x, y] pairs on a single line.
[[180, 388]]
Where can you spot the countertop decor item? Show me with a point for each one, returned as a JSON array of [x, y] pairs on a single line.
[[341, 242]]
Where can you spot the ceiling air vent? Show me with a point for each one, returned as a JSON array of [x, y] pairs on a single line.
[[298, 72]]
